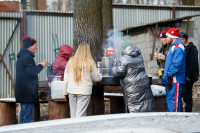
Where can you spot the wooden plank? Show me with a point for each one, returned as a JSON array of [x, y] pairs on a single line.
[[154, 41], [10, 100], [7, 113], [9, 41], [58, 110]]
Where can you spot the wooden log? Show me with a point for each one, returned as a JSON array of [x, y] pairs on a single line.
[[117, 105], [161, 105], [7, 113], [58, 110]]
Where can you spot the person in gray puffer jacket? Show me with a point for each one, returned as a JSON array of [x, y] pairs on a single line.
[[135, 84]]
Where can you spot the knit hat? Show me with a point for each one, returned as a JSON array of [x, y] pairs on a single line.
[[28, 41], [126, 42], [162, 34], [173, 33], [183, 35]]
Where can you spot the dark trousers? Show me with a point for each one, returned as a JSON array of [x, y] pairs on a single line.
[[187, 95]]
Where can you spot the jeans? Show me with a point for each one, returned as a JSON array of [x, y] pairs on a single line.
[[26, 113]]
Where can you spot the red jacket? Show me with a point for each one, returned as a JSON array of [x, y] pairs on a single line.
[[62, 59]]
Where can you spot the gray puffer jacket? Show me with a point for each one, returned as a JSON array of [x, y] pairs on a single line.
[[134, 81]]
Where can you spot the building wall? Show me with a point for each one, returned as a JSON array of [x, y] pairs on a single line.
[[9, 6]]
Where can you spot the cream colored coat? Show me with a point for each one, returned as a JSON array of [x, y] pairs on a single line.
[[86, 83]]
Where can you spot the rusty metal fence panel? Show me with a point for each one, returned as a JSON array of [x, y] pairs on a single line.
[[9, 58], [51, 32]]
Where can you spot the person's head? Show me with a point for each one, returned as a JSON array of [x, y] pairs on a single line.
[[163, 37], [126, 42], [81, 62], [184, 37], [66, 51], [172, 34], [30, 44]]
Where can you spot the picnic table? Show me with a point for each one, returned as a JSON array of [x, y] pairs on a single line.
[[59, 108]]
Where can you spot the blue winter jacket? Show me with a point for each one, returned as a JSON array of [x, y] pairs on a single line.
[[175, 63], [26, 86]]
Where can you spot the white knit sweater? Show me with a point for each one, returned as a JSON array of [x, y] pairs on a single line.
[[85, 85]]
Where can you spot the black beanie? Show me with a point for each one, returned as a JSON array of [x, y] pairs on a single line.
[[183, 35], [28, 41]]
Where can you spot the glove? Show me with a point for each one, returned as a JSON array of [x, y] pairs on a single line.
[[169, 82]]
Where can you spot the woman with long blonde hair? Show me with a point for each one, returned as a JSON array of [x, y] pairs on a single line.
[[79, 75]]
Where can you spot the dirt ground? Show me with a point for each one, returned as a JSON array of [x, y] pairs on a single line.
[[196, 101]]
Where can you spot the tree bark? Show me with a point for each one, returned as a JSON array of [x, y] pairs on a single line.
[[188, 2], [34, 4], [107, 18], [87, 25]]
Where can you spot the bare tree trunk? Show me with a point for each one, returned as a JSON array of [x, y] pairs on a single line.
[[23, 4], [107, 18], [188, 2], [87, 25], [34, 4]]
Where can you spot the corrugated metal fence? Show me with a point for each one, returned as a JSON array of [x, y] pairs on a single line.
[[53, 29]]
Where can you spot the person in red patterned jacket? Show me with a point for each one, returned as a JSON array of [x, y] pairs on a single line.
[[60, 62]]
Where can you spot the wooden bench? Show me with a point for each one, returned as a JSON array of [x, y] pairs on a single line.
[[8, 111], [59, 108], [117, 103]]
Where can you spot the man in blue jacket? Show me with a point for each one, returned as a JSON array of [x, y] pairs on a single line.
[[174, 73], [26, 87]]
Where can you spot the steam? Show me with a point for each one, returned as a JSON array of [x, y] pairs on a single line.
[[124, 1], [114, 38]]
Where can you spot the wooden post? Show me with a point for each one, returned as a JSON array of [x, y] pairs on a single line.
[[154, 41], [117, 105], [188, 23], [161, 105], [90, 109], [98, 100], [174, 13], [58, 110], [23, 27], [36, 112], [7, 113]]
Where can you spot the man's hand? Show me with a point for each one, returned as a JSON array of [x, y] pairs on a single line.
[[169, 82], [160, 69], [188, 79], [44, 63], [156, 55], [114, 68], [161, 57]]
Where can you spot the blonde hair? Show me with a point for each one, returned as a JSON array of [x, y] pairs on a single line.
[[81, 61]]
